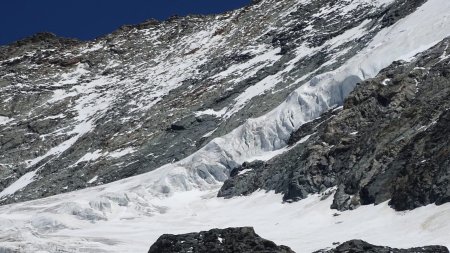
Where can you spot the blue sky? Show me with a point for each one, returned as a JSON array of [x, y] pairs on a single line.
[[88, 19]]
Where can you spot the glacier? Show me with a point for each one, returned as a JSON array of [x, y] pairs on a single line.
[[128, 215]]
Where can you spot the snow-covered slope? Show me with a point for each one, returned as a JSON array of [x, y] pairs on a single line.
[[154, 93], [128, 215], [258, 138], [117, 225]]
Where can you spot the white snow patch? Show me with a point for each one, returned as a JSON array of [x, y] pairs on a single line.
[[92, 48], [5, 120], [92, 156], [244, 171], [93, 180], [338, 108], [217, 114], [209, 133], [349, 35], [59, 116], [305, 139], [264, 57], [21, 183], [59, 95], [259, 88], [122, 152], [73, 77]]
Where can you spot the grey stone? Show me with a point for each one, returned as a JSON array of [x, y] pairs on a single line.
[[229, 240], [358, 246]]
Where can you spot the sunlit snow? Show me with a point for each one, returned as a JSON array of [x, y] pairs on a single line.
[[130, 214]]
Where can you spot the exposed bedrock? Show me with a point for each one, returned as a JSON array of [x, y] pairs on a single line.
[[389, 142], [229, 240], [244, 239], [358, 246]]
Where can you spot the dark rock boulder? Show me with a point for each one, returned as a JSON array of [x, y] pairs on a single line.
[[358, 246], [243, 181], [217, 240]]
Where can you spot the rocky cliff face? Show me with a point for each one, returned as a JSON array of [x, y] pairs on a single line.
[[389, 142], [78, 114]]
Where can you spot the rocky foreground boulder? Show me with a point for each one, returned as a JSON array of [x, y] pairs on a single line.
[[244, 239], [230, 240], [358, 246]]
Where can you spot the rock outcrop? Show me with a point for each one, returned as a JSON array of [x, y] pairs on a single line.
[[358, 246], [245, 239], [389, 142], [228, 240]]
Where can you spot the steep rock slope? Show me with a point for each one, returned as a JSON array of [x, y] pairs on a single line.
[[390, 142], [78, 114]]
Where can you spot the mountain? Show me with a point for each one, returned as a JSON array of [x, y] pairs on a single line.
[[315, 122], [80, 114]]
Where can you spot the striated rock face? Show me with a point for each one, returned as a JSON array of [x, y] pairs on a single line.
[[358, 246], [389, 142], [229, 240], [78, 114]]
